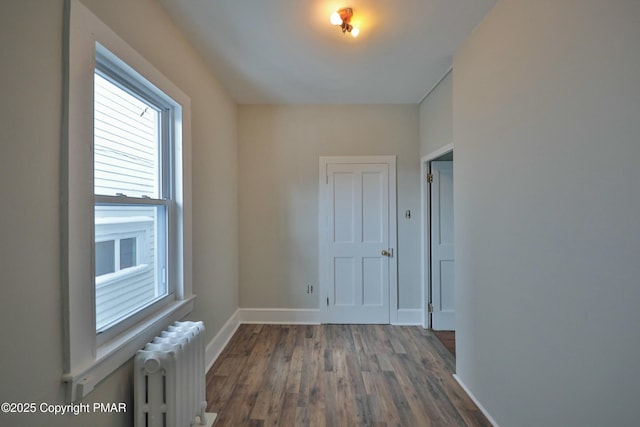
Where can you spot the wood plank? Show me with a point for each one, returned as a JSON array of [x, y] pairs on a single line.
[[448, 339], [330, 375]]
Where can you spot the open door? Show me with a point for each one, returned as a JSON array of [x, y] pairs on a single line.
[[442, 305]]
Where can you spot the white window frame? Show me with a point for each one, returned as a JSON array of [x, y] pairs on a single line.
[[88, 360], [114, 71]]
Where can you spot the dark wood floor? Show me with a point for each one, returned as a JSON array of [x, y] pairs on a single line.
[[448, 339], [337, 375]]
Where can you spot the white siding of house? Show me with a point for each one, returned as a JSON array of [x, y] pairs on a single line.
[[126, 155], [120, 293]]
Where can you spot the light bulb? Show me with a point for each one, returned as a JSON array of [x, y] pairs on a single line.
[[335, 19], [355, 32]]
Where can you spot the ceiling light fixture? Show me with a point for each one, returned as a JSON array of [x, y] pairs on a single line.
[[342, 18]]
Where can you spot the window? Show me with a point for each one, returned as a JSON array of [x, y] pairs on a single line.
[[133, 176], [126, 208], [125, 279], [115, 255], [105, 257]]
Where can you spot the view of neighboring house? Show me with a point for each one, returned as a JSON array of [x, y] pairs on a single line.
[[129, 268]]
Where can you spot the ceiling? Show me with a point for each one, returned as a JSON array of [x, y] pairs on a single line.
[[287, 52]]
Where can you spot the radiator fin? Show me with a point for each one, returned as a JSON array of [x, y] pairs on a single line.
[[169, 378]]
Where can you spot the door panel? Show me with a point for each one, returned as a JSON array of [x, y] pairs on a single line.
[[442, 261], [355, 280], [372, 208], [343, 201], [345, 280], [373, 285], [446, 302]]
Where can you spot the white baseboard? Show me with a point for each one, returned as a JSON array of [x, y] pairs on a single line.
[[210, 418], [409, 316], [280, 316], [219, 342], [478, 404]]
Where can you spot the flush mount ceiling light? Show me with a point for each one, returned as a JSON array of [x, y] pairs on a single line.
[[342, 18]]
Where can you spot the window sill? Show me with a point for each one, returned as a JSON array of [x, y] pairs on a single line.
[[116, 352]]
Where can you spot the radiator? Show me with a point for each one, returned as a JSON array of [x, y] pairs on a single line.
[[169, 378]]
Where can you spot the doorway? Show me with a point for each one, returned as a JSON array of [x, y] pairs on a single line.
[[357, 231], [437, 240]]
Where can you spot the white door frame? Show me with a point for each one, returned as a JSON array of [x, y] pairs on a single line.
[[393, 228], [425, 231]]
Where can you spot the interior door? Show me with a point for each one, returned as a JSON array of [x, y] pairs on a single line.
[[442, 260], [357, 249]]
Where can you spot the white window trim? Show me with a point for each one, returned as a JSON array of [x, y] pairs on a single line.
[[85, 362]]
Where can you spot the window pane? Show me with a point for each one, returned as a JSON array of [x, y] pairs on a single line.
[[139, 276], [126, 142], [127, 252], [105, 257]]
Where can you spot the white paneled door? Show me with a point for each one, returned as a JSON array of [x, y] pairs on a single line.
[[357, 234], [442, 261]]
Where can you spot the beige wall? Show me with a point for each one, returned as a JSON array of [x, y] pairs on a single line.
[[30, 306], [546, 102], [279, 148], [436, 117], [30, 111]]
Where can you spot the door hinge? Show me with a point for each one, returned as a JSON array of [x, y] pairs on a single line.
[[327, 301], [429, 178], [430, 307]]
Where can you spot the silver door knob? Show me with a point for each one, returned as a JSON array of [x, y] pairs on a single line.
[[386, 253]]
